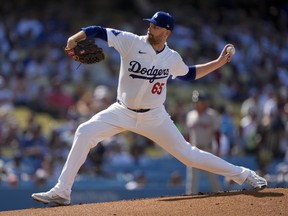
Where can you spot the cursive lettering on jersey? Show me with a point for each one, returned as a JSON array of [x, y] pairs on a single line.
[[151, 74]]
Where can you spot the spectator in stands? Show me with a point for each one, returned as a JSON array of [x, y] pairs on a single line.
[[269, 133], [103, 97], [203, 127], [6, 96], [3, 174], [10, 134], [251, 104], [248, 131], [58, 101], [227, 130]]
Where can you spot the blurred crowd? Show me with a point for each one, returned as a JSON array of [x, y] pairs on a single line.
[[36, 74]]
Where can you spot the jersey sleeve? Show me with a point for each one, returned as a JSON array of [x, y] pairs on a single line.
[[180, 68], [122, 41], [95, 32]]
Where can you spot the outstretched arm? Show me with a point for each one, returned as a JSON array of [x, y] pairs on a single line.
[[204, 69], [200, 70]]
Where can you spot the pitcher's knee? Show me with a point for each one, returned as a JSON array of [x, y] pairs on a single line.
[[86, 135], [84, 129]]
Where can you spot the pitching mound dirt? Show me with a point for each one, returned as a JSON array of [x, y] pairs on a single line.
[[270, 202]]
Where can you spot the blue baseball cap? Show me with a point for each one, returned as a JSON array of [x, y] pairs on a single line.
[[162, 19]]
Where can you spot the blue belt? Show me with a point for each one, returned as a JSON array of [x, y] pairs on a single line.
[[135, 110]]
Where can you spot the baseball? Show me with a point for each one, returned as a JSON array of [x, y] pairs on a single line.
[[231, 50]]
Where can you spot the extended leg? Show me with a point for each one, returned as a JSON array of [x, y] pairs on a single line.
[[86, 137], [169, 138]]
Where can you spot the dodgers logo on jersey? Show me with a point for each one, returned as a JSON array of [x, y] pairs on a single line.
[[151, 74]]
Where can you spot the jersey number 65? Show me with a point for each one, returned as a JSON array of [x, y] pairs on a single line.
[[157, 88]]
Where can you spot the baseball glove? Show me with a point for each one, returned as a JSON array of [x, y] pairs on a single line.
[[86, 52]]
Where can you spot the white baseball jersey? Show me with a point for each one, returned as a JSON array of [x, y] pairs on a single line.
[[143, 73]]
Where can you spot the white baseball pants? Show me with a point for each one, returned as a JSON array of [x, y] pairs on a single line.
[[156, 125]]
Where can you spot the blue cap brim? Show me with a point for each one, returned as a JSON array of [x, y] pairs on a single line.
[[154, 22]]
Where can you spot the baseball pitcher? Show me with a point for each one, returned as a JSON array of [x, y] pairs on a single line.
[[146, 64]]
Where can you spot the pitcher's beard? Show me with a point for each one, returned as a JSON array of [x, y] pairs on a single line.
[[152, 40]]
